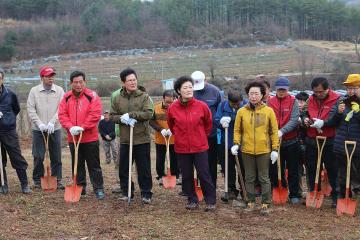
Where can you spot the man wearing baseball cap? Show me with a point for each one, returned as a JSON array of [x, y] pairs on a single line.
[[42, 108], [209, 94]]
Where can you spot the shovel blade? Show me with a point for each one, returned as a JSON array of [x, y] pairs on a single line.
[[314, 199], [48, 183], [280, 195], [325, 185], [198, 191], [73, 192], [169, 181], [346, 206]]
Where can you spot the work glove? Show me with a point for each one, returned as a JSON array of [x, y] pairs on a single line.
[[108, 137], [1, 114], [76, 130], [318, 123], [225, 121], [164, 132], [280, 134], [274, 156], [234, 150], [50, 128], [131, 122], [125, 118], [43, 127], [355, 107], [169, 133]]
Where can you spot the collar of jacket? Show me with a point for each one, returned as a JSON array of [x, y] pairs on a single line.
[[257, 106], [139, 91], [188, 103]]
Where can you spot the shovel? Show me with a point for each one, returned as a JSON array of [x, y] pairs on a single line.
[[48, 182], [169, 181], [130, 161], [280, 194], [225, 198], [325, 185], [73, 192], [315, 198], [238, 168], [2, 171], [347, 205], [198, 189]]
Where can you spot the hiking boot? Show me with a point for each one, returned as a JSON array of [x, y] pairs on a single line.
[[264, 211], [25, 189], [116, 190], [83, 192], [100, 195], [192, 206], [210, 208], [146, 200], [250, 207], [178, 181], [4, 189], [295, 200], [60, 186]]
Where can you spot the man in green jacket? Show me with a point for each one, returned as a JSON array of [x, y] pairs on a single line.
[[133, 107]]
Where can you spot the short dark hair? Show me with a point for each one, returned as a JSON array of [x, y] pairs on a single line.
[[234, 96], [302, 96], [255, 84], [180, 81], [126, 72], [75, 74], [320, 81], [168, 93]]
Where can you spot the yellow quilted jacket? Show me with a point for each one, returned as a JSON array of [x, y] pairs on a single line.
[[256, 131]]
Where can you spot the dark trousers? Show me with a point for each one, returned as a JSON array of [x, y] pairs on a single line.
[[10, 144], [187, 162], [141, 155], [329, 159], [38, 152], [161, 161], [289, 158], [212, 158], [89, 153], [342, 164]]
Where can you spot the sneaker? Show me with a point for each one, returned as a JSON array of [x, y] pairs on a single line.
[[225, 197], [60, 186], [178, 181], [160, 182], [4, 189], [250, 207], [192, 206], [100, 195], [83, 192], [264, 209], [146, 200], [125, 198], [295, 200], [25, 189], [210, 208]]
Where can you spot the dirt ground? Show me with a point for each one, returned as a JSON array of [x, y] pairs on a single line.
[[46, 216]]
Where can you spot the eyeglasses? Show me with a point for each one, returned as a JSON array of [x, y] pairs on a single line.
[[352, 88], [131, 80]]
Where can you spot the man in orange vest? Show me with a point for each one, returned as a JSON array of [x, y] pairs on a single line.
[[162, 131]]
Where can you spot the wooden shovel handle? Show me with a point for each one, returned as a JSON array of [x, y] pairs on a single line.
[[47, 161], [349, 157], [320, 148], [76, 152], [278, 162], [167, 143]]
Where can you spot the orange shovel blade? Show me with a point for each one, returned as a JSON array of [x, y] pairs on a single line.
[[73, 192], [169, 181], [325, 185], [314, 199], [198, 191], [345, 205], [48, 183], [280, 195]]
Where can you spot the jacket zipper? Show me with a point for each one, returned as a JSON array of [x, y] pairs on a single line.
[[253, 120], [77, 106]]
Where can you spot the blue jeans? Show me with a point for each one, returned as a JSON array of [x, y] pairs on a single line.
[[38, 152]]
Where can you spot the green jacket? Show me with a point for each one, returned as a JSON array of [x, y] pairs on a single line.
[[140, 107]]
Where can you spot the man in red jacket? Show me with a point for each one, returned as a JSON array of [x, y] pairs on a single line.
[[80, 111]]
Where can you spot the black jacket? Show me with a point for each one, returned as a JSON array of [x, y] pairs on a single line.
[[107, 128], [9, 106]]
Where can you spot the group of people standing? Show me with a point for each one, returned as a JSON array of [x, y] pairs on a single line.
[[259, 128]]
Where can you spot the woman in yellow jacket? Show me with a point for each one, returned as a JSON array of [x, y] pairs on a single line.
[[255, 134]]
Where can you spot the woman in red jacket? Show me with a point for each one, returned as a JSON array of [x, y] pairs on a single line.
[[190, 121]]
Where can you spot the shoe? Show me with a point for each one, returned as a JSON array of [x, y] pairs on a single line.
[[25, 189], [239, 203], [178, 181], [225, 197], [100, 195], [146, 200], [125, 198], [60, 186], [250, 207], [295, 200], [264, 209], [181, 193], [4, 189], [116, 190], [83, 192], [160, 182], [37, 185], [192, 206], [210, 208]]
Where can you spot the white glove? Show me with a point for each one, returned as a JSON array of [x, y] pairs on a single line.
[[164, 132], [50, 128], [125, 118], [169, 133], [131, 122], [76, 130], [225, 121], [1, 114], [234, 150], [318, 123], [274, 156], [280, 134], [43, 127]]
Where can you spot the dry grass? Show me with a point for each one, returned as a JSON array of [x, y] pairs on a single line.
[[335, 47]]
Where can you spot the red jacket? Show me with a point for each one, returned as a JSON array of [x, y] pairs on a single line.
[[191, 124], [320, 109], [84, 111], [283, 108]]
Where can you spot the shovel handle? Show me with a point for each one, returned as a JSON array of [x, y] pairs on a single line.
[[226, 160], [76, 153], [278, 162], [237, 162], [130, 161], [320, 148], [167, 143], [46, 143], [349, 157], [1, 168]]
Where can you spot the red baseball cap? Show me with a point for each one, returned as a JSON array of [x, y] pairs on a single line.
[[47, 71]]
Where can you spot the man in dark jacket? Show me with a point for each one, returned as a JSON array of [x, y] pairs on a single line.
[[9, 108], [107, 133]]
